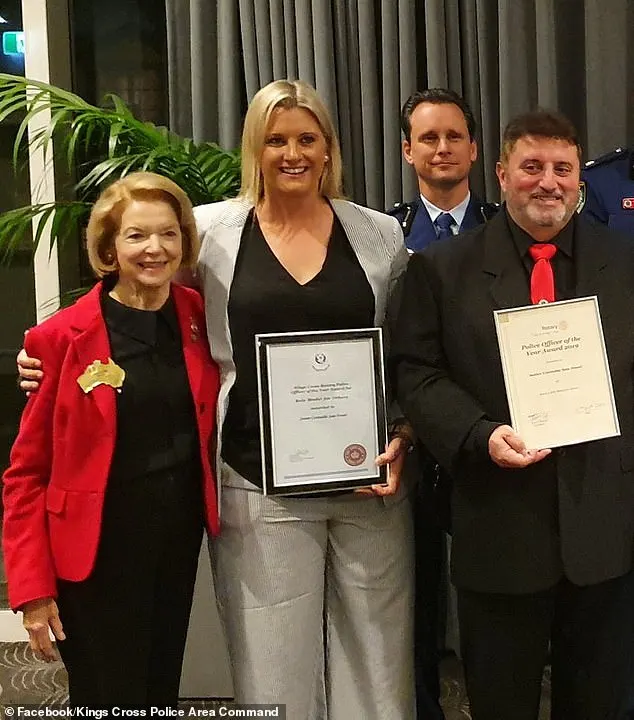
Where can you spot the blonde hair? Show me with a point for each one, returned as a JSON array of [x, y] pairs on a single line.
[[286, 94], [105, 218]]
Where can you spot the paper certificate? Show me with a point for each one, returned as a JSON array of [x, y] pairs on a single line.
[[556, 373], [322, 410]]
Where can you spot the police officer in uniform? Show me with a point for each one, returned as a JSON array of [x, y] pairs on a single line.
[[439, 142]]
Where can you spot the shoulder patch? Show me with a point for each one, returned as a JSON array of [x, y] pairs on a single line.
[[581, 199], [399, 208], [488, 210], [602, 159], [404, 212]]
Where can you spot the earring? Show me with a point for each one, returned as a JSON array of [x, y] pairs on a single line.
[[326, 157]]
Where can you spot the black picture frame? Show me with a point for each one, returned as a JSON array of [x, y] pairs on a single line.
[[353, 478]]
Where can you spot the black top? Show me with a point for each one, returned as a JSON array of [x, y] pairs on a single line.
[[156, 421], [562, 261], [265, 298]]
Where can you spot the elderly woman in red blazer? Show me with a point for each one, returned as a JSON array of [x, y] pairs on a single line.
[[110, 483]]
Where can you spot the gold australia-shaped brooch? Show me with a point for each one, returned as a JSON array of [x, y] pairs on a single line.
[[98, 373]]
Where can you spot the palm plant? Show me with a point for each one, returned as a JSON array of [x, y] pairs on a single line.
[[101, 144]]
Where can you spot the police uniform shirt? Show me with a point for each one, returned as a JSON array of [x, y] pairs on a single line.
[[457, 213]]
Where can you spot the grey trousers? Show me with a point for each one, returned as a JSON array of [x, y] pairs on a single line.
[[316, 598]]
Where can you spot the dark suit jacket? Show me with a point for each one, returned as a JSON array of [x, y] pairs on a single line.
[[516, 531], [419, 230], [55, 486]]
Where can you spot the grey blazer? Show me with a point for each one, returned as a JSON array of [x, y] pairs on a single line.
[[376, 239]]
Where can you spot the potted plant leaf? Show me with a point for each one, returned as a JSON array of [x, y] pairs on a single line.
[[99, 145]]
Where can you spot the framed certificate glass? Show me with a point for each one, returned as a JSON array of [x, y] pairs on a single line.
[[322, 410], [556, 373]]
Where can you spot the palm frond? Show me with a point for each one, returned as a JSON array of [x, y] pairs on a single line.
[[103, 144], [19, 224]]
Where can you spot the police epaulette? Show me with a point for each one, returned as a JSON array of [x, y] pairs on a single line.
[[397, 207], [405, 213], [488, 209], [608, 157]]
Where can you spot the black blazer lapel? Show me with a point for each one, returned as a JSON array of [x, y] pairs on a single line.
[[591, 259], [509, 285]]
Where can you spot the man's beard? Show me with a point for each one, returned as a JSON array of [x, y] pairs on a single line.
[[549, 216]]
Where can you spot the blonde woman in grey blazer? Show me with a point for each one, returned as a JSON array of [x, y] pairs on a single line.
[[315, 593]]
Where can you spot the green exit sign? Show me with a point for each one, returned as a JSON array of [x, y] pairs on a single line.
[[13, 43]]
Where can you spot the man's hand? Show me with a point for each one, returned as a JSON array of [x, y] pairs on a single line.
[[30, 372], [38, 617], [508, 450]]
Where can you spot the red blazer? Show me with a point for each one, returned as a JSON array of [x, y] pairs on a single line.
[[55, 485]]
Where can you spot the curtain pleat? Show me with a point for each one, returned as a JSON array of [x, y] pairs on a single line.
[[325, 59], [250, 59], [390, 98], [179, 61], [228, 107], [607, 60], [290, 41], [204, 75], [351, 132], [546, 53], [277, 23], [408, 79], [454, 45]]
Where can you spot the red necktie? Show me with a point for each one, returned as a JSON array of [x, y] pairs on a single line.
[[542, 279]]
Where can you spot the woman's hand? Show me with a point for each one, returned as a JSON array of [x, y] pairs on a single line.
[[394, 456], [38, 617], [30, 372]]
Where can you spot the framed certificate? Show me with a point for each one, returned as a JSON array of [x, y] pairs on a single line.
[[322, 410], [557, 373]]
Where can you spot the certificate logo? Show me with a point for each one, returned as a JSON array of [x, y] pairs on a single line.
[[563, 325], [320, 361], [354, 454]]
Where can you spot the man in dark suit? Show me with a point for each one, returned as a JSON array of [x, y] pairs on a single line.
[[439, 142], [606, 196], [542, 540]]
